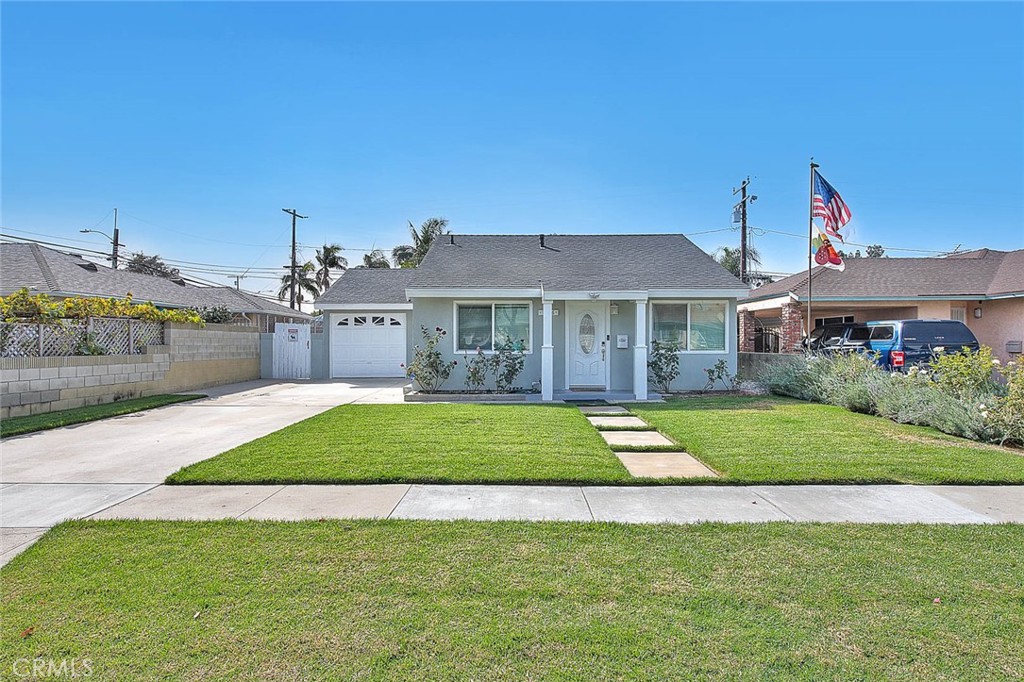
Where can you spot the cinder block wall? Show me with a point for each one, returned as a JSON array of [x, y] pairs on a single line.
[[192, 357]]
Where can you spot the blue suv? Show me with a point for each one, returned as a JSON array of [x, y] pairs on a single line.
[[906, 343]]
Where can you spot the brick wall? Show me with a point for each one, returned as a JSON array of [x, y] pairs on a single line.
[[746, 327], [791, 333], [192, 357]]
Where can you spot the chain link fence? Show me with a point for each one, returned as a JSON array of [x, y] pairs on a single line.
[[95, 336]]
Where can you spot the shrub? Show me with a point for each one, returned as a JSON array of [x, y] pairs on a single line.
[[428, 368], [476, 371], [215, 315], [663, 365], [22, 306], [508, 362], [720, 372], [967, 375], [1007, 413], [958, 394]]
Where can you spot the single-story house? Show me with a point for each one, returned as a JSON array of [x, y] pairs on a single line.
[[584, 307], [63, 275], [983, 288]]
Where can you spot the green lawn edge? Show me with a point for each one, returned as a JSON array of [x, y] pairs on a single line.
[[20, 426], [412, 600]]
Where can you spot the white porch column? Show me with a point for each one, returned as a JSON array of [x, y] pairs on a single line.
[[547, 358], [640, 352]]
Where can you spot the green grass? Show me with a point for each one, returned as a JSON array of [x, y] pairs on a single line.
[[17, 426], [779, 440], [401, 600], [420, 444]]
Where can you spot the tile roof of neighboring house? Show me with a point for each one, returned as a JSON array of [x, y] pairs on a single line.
[[613, 262], [60, 274], [369, 285], [975, 273]]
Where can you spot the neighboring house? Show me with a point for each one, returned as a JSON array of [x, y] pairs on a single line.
[[61, 275], [983, 288], [584, 306]]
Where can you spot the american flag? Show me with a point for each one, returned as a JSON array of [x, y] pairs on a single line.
[[829, 206]]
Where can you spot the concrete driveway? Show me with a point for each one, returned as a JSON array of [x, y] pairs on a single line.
[[72, 472]]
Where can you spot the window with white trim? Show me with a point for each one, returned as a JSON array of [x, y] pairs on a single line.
[[696, 326], [490, 326], [958, 313]]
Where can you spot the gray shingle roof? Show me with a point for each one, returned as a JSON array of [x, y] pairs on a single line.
[[53, 272], [623, 262], [369, 285], [975, 273]]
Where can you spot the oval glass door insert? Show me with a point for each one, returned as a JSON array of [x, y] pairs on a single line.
[[587, 334]]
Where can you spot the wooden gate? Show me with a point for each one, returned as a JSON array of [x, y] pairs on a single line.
[[291, 351]]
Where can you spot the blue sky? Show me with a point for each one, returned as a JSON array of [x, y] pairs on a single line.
[[200, 121]]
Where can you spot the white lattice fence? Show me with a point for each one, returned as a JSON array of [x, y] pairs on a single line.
[[109, 336]]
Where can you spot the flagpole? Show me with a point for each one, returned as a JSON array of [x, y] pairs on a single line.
[[810, 250]]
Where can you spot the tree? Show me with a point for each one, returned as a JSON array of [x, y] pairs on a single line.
[[729, 258], [328, 258], [150, 265], [403, 254], [411, 255], [375, 259], [305, 281], [873, 251]]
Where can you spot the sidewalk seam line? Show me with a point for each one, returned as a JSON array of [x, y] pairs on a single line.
[[590, 510], [141, 492], [239, 517], [400, 500], [777, 507]]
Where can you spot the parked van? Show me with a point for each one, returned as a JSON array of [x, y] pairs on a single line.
[[906, 343]]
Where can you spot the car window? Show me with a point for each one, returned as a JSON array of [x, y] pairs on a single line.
[[937, 332], [860, 334], [882, 333]]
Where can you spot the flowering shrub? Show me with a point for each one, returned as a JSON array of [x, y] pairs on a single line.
[[428, 368], [506, 364], [21, 306], [964, 394], [476, 371], [663, 365]]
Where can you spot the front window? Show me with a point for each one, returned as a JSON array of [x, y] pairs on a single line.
[[690, 326], [490, 326]]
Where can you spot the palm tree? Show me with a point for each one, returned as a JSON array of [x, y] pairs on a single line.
[[411, 255], [403, 254], [305, 280], [376, 259], [328, 258], [729, 258]]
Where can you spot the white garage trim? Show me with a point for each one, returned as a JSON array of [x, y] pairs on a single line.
[[368, 344]]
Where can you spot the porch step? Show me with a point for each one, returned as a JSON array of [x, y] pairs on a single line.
[[604, 410]]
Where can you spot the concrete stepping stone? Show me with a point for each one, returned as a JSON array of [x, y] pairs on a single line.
[[617, 421], [634, 438], [603, 410], [664, 465]]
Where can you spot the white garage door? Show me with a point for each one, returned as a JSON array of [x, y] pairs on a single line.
[[367, 344]]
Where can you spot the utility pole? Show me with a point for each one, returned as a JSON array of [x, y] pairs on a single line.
[[294, 214], [742, 191], [114, 253], [238, 280]]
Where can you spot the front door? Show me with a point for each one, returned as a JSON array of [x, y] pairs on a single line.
[[586, 338]]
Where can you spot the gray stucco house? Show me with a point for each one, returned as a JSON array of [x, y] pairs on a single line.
[[584, 305]]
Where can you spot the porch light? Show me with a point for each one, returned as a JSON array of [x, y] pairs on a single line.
[[977, 313], [614, 308]]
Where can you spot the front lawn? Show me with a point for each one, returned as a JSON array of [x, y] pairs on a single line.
[[422, 443], [779, 440], [17, 426], [406, 600]]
